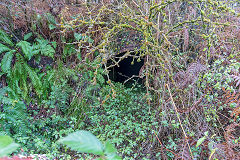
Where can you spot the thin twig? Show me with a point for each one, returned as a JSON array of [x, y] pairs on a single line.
[[163, 146], [185, 135]]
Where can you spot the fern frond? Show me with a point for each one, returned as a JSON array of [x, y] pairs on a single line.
[[231, 135], [24, 88], [7, 61], [18, 65], [186, 38], [5, 39], [34, 78], [45, 48], [235, 113], [195, 68], [230, 97], [14, 78], [26, 48], [190, 75], [3, 48], [237, 80]]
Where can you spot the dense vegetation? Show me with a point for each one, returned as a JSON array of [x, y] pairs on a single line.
[[56, 78]]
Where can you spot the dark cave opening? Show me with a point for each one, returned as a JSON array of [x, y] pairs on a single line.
[[127, 72]]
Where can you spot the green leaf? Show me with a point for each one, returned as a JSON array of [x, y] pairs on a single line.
[[7, 146], [26, 48], [84, 142], [113, 157], [199, 142], [3, 48], [90, 40], [51, 19], [51, 26], [27, 36], [7, 61], [79, 56], [69, 50], [206, 133], [54, 44], [109, 148], [101, 79], [78, 36], [4, 38], [110, 151], [48, 51]]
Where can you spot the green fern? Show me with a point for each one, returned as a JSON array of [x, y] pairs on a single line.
[[5, 39], [26, 49], [13, 117], [34, 78], [44, 48], [3, 48], [17, 80], [20, 76], [7, 61]]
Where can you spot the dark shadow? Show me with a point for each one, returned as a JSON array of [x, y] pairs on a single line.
[[127, 72]]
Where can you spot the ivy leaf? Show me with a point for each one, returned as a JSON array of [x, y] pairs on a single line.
[[7, 61], [3, 48], [7, 146], [26, 48], [84, 142]]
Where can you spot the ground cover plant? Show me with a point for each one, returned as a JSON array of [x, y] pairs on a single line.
[[60, 63]]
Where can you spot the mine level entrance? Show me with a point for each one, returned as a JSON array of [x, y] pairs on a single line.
[[127, 71]]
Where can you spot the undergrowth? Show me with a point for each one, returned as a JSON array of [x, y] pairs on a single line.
[[126, 119], [56, 62]]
